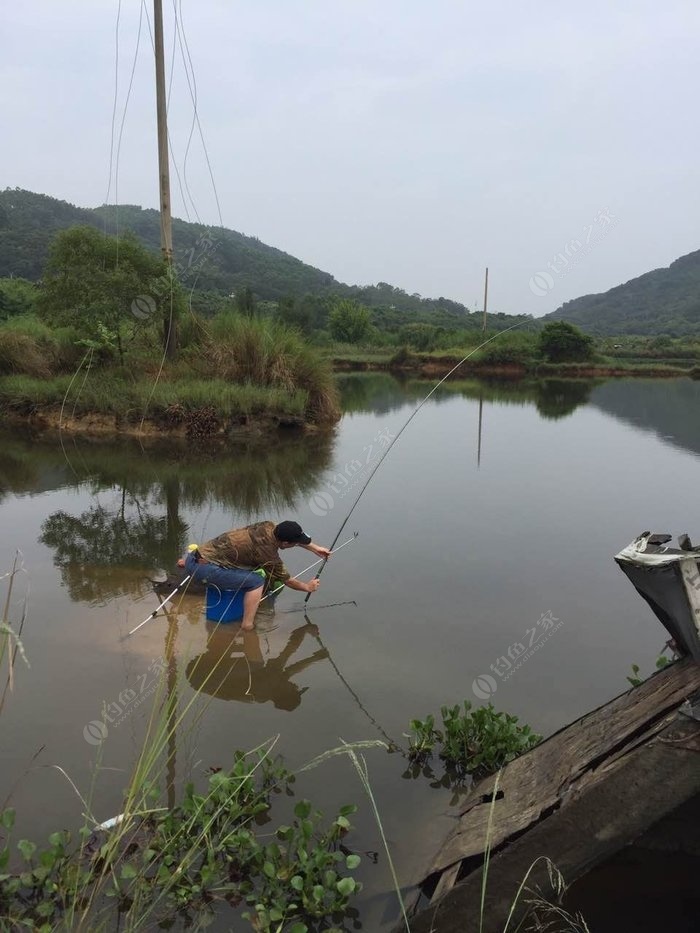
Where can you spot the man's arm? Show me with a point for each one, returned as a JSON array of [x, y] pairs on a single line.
[[309, 587], [317, 549]]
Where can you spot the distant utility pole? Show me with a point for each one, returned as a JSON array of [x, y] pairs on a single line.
[[166, 222], [486, 297]]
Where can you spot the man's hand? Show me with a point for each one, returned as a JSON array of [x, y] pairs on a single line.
[[313, 585], [323, 552]]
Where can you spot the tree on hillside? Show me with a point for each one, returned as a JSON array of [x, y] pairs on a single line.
[[560, 342], [294, 313], [422, 337], [245, 301], [17, 296], [349, 321], [106, 287]]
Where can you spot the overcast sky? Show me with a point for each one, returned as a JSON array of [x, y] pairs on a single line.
[[405, 141]]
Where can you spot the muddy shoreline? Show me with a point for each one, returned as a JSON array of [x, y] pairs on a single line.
[[205, 423], [429, 366]]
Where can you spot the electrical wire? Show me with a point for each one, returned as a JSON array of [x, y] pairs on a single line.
[[114, 110], [171, 148], [121, 130], [185, 51], [193, 94]]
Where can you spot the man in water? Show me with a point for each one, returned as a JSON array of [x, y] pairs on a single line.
[[231, 561]]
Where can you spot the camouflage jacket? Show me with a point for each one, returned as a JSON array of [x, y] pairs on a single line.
[[248, 548]]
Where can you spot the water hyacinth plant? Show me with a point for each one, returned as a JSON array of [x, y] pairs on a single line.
[[156, 866], [472, 741]]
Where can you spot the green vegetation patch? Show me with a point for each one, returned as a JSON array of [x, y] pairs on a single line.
[[472, 741], [158, 865]]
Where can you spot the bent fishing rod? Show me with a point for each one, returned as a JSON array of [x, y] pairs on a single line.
[[403, 428], [274, 592]]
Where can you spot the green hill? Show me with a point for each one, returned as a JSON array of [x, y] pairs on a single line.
[[209, 259], [665, 301], [221, 259]]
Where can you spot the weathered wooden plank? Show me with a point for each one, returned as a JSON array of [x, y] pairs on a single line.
[[537, 782], [616, 804], [446, 882]]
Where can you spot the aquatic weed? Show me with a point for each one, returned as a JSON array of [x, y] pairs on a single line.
[[168, 862], [472, 741]]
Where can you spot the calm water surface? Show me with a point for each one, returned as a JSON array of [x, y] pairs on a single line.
[[465, 543]]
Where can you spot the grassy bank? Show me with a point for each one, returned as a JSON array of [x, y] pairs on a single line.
[[510, 355], [231, 371]]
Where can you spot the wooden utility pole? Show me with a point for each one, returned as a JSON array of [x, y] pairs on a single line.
[[166, 224], [486, 296]]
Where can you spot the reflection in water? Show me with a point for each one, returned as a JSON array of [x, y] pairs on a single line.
[[557, 398], [99, 538], [234, 668], [381, 392], [250, 475], [98, 548], [143, 527], [375, 392], [666, 407]]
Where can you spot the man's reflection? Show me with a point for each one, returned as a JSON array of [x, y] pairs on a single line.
[[233, 667]]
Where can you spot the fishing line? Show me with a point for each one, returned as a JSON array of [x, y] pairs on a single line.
[[393, 746], [403, 428], [346, 602]]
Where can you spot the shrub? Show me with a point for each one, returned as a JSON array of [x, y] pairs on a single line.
[[267, 353], [477, 741], [349, 321], [561, 342], [402, 357], [20, 353]]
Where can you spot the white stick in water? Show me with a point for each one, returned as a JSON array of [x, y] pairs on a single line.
[[156, 611]]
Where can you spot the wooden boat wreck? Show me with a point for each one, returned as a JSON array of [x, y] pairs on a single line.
[[668, 579], [590, 790]]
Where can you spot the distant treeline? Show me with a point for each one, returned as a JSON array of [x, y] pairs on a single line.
[[218, 264]]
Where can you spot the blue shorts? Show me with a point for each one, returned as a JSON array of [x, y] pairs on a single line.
[[222, 577]]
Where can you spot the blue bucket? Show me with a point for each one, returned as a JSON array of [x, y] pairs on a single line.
[[224, 605]]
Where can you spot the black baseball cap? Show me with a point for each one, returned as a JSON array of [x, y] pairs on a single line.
[[291, 533]]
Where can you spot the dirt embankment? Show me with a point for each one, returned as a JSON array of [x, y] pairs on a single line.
[[441, 366], [203, 424]]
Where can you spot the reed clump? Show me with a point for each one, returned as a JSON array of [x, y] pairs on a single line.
[[264, 352], [230, 368]]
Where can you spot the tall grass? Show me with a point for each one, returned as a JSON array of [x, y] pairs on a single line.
[[233, 366], [265, 352], [29, 346], [10, 640], [115, 394]]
